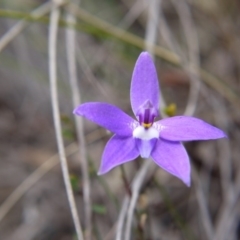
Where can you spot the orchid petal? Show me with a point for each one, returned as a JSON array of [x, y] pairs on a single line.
[[118, 150], [144, 86], [183, 128], [173, 158], [107, 116], [145, 147]]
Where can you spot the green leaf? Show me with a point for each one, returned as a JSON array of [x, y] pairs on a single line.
[[99, 209], [74, 182]]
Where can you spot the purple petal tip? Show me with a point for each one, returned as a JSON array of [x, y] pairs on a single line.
[[145, 56], [188, 183], [186, 179], [145, 53], [102, 171], [99, 173], [76, 111], [225, 135]]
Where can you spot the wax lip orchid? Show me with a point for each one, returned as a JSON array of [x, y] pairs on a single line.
[[160, 140]]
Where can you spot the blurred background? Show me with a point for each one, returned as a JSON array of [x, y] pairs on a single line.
[[197, 56]]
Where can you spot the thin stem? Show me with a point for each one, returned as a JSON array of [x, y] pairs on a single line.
[[136, 186], [125, 181], [151, 28], [53, 28], [121, 219], [76, 99]]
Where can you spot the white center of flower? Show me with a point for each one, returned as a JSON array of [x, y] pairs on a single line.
[[145, 134]]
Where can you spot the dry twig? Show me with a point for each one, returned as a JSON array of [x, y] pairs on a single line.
[[76, 99], [53, 28]]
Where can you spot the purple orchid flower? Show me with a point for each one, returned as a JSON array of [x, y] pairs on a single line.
[[160, 140]]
